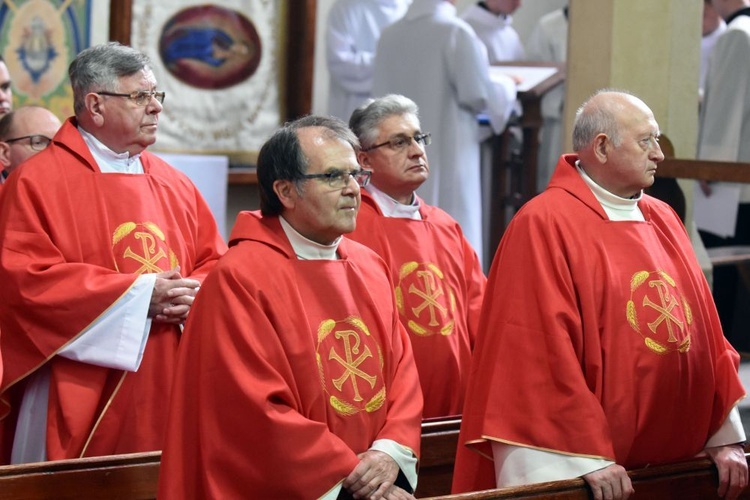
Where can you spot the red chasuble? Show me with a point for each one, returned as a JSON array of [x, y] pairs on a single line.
[[597, 339], [306, 366], [75, 240], [439, 285]]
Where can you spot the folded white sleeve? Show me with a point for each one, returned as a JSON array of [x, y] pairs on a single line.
[[118, 337], [517, 465], [730, 432]]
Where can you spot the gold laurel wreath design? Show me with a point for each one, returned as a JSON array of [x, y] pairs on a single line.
[[636, 281], [122, 231], [342, 407]]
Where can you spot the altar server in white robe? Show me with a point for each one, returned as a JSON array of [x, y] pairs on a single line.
[[436, 59], [725, 136], [352, 34], [548, 42], [493, 23]]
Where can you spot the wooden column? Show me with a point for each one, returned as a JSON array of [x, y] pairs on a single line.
[[649, 48]]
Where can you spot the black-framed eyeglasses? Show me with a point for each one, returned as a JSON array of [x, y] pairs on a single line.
[[36, 142], [401, 142], [339, 179], [140, 97]]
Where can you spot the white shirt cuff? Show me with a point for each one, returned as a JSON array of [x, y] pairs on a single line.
[[730, 432], [517, 465]]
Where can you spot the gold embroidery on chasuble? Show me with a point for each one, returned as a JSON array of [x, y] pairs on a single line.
[[141, 248], [350, 365], [659, 313], [425, 302]]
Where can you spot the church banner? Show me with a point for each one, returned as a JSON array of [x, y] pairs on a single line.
[[38, 40], [221, 66]]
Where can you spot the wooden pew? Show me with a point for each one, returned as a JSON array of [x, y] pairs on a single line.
[[135, 477], [131, 477], [439, 443], [687, 480]]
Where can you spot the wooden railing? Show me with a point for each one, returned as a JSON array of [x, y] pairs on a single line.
[[704, 170], [135, 477], [711, 171], [131, 477], [696, 479]]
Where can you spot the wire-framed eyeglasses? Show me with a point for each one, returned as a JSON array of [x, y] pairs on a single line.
[[339, 179], [401, 142], [36, 142], [140, 97]]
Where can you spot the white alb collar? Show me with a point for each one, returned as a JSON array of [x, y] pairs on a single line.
[[617, 208], [391, 207], [306, 249], [108, 160]]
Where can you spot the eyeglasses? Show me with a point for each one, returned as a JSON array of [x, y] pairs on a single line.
[[402, 142], [141, 97], [37, 142], [339, 179]]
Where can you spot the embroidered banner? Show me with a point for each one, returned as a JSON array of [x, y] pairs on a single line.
[[39, 38], [220, 64]]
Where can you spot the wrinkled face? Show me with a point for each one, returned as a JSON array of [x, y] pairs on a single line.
[[397, 172], [320, 212], [631, 166], [26, 122], [6, 93], [127, 126]]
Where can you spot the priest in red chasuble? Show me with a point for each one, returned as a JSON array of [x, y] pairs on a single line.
[[104, 248], [439, 281], [306, 386], [599, 346]]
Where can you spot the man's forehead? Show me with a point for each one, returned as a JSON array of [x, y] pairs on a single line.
[[32, 120], [324, 151], [395, 124], [142, 77]]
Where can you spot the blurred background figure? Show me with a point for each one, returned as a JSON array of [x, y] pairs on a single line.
[[448, 78], [352, 34], [23, 133], [493, 24], [6, 92], [548, 42], [713, 27]]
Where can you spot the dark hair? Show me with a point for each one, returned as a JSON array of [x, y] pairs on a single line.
[[282, 157], [6, 125], [99, 68]]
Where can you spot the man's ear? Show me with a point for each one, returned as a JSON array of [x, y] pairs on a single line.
[[287, 192], [4, 155], [364, 160], [601, 147], [94, 104]]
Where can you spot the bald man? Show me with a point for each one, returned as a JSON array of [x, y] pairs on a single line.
[[23, 133], [6, 92], [599, 347]]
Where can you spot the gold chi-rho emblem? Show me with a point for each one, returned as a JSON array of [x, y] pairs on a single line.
[[350, 365], [426, 305], [659, 313], [141, 248]]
